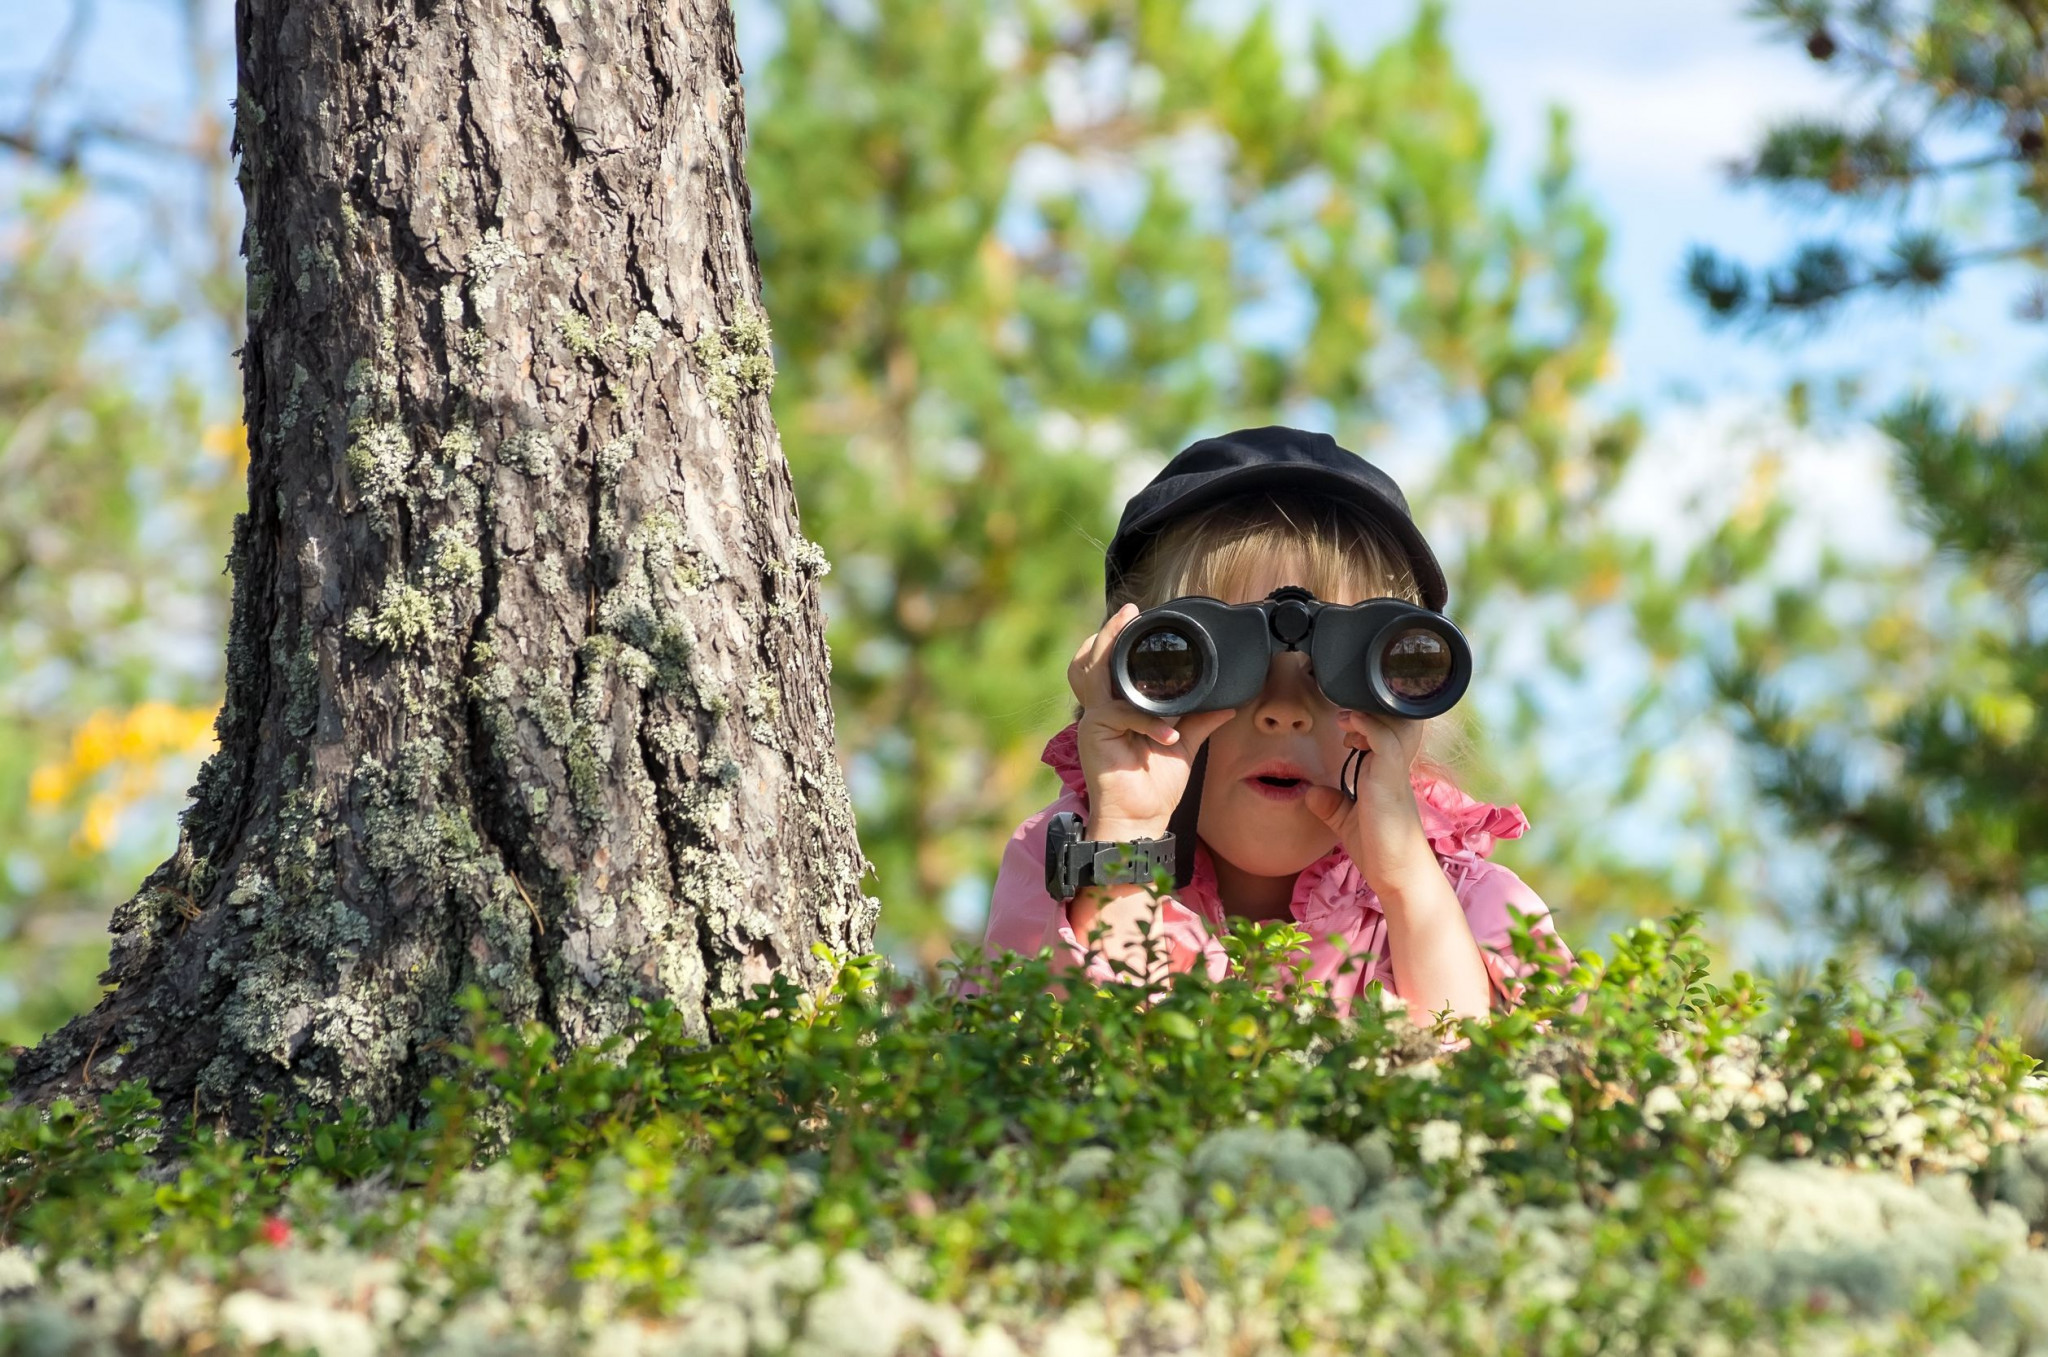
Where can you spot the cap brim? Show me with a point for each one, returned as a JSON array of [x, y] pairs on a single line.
[[1429, 576]]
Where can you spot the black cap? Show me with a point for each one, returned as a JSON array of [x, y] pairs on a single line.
[[1272, 458]]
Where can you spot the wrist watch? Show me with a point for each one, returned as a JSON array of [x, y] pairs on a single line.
[[1072, 862]]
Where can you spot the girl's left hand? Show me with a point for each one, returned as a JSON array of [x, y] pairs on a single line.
[[1382, 830]]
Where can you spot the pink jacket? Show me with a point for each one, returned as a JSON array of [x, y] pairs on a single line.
[[1331, 899]]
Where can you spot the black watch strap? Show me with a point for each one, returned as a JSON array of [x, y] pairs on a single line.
[[1072, 862]]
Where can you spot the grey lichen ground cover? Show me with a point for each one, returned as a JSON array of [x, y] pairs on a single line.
[[1636, 1160]]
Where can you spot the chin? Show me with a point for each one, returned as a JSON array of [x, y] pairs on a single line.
[[1265, 845]]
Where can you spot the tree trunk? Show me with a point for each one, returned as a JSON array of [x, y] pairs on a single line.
[[526, 678]]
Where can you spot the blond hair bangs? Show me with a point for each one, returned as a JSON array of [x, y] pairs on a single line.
[[1332, 549]]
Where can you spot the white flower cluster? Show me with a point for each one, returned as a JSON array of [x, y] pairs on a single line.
[[1441, 1141], [1897, 1123], [1543, 1097]]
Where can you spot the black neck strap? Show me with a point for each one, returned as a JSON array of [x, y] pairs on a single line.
[[1182, 823]]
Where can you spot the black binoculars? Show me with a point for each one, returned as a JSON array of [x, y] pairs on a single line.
[[1384, 655]]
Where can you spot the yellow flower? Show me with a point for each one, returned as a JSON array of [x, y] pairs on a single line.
[[49, 785], [118, 752], [229, 442]]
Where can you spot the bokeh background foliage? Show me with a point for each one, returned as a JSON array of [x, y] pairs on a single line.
[[116, 499], [1897, 715], [1017, 252]]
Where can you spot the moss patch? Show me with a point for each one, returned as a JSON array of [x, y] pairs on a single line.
[[403, 617], [737, 360]]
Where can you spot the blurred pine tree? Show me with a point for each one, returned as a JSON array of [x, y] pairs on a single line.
[[1017, 253], [108, 531], [122, 460], [1927, 779]]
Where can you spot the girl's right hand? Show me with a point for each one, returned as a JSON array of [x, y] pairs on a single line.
[[1135, 764]]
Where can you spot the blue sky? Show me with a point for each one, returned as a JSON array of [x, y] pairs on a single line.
[[1662, 95]]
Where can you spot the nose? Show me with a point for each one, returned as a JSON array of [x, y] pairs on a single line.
[[1286, 705]]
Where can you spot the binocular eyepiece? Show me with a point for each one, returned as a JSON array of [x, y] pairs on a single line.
[[1384, 655]]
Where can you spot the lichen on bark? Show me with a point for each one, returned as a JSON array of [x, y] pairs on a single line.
[[526, 673]]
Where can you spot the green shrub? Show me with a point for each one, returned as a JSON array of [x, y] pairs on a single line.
[[1635, 1159]]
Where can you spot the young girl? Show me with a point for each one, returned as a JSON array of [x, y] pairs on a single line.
[[1393, 887]]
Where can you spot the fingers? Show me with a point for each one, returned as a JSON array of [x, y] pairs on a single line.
[[1198, 726], [1172, 731], [1398, 739], [1106, 634], [1366, 729], [1122, 716], [1088, 674], [1326, 804]]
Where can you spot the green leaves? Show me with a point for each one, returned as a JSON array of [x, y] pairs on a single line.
[[117, 499], [942, 1090], [1916, 763], [1009, 1147], [1964, 76], [1835, 158], [1018, 254]]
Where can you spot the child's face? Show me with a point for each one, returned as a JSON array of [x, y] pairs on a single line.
[[1290, 728]]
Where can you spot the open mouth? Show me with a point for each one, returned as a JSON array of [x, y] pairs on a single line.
[[1279, 787]]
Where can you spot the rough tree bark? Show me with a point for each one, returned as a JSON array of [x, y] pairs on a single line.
[[526, 677]]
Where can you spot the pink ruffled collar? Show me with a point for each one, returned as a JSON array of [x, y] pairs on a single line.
[[1453, 822]]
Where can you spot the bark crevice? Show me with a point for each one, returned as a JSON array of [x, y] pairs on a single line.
[[523, 688]]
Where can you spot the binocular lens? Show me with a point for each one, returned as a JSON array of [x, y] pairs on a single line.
[[1417, 664], [1164, 666]]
